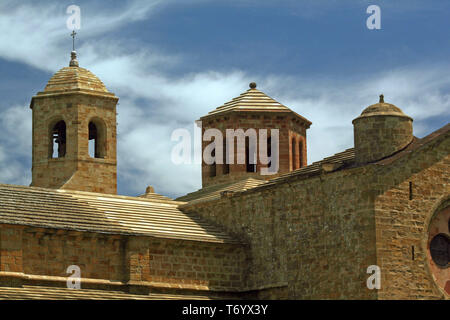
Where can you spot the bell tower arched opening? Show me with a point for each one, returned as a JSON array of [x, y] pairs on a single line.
[[97, 139], [58, 140]]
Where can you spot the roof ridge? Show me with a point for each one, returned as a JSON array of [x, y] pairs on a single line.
[[213, 192]]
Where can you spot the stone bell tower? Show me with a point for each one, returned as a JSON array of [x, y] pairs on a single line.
[[74, 133], [254, 110]]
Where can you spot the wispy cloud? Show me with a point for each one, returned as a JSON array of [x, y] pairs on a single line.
[[15, 145], [39, 33]]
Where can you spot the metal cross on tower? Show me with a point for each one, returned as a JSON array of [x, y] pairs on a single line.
[[73, 34]]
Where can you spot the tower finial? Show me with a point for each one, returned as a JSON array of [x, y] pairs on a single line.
[[73, 59], [73, 54], [381, 98], [252, 85], [73, 34]]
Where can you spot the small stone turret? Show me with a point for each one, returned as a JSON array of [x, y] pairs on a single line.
[[381, 130]]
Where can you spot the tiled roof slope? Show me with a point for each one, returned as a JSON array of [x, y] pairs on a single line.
[[101, 213], [213, 192], [156, 197], [344, 157], [57, 293], [253, 100]]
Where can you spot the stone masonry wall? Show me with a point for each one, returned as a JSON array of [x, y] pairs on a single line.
[[107, 260], [189, 263], [288, 126], [77, 170], [403, 217], [315, 237], [377, 137]]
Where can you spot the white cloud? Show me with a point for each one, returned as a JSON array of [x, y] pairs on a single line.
[[40, 35], [421, 92], [15, 145]]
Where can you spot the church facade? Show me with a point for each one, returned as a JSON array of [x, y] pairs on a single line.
[[371, 222]]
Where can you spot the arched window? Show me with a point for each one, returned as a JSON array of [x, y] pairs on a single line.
[[269, 150], [294, 162], [58, 140], [300, 153], [97, 139]]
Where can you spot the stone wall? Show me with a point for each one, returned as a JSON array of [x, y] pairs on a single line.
[[216, 266], [380, 136], [76, 170], [289, 127], [43, 255], [315, 237], [411, 191]]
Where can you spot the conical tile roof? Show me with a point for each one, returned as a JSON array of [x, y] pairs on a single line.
[[74, 78], [253, 100]]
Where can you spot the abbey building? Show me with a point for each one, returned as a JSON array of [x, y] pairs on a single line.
[[311, 231]]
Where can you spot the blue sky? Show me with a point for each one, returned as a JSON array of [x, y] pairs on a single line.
[[171, 62]]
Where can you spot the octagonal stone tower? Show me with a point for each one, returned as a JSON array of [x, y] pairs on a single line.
[[381, 130], [74, 133], [253, 109]]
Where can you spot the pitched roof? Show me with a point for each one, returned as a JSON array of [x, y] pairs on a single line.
[[213, 192], [253, 100], [102, 213], [57, 293]]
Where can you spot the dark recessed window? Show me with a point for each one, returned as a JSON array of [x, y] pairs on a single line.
[[294, 157], [58, 140], [440, 250], [97, 139], [250, 156], [300, 154]]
